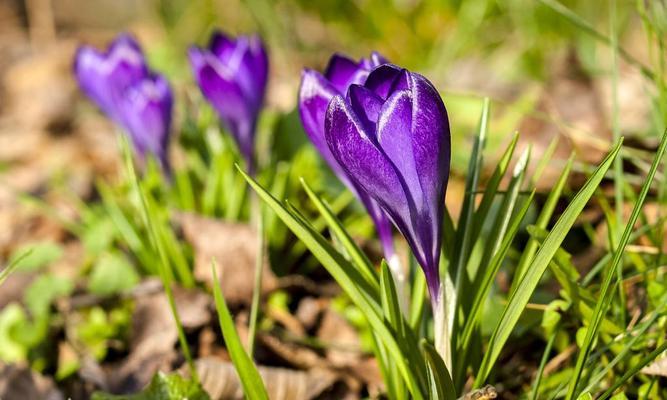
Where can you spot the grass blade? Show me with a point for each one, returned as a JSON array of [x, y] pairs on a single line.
[[519, 299], [253, 387], [4, 274], [483, 288], [357, 256], [635, 368], [464, 238], [166, 275], [350, 279], [542, 221], [442, 386], [601, 305], [590, 29]]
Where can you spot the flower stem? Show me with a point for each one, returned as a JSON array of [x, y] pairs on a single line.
[[443, 343]]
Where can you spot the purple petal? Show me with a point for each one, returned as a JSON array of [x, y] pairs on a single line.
[[343, 72], [219, 88], [381, 221], [431, 146], [366, 105], [105, 76], [365, 164], [413, 131], [146, 112], [252, 72], [222, 46], [314, 96], [382, 79]]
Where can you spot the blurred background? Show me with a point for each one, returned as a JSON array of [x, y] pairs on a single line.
[[546, 78]]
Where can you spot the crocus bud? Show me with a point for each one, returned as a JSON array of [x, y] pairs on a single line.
[[146, 111], [315, 93], [121, 84], [391, 136], [232, 74]]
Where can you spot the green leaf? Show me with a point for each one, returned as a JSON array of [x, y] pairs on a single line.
[[418, 298], [518, 300], [464, 238], [16, 260], [166, 275], [492, 186], [41, 254], [358, 257], [585, 26], [12, 350], [602, 303], [441, 385], [627, 348], [253, 387], [649, 358], [390, 306], [542, 221], [112, 273], [44, 290], [163, 387], [351, 280], [483, 287]]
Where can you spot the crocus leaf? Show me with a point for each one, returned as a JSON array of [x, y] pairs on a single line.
[[390, 306], [357, 256], [601, 305], [418, 298], [518, 300], [162, 387], [441, 385], [492, 186], [16, 261], [542, 221], [483, 288], [351, 281], [253, 386]]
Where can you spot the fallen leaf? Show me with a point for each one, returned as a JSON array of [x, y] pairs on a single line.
[[220, 381], [234, 248], [154, 336], [656, 368], [343, 346], [20, 383]]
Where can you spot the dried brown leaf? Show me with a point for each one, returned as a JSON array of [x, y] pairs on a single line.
[[220, 381], [20, 383], [234, 247]]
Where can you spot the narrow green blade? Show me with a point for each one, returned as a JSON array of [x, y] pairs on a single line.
[[518, 300], [253, 387], [601, 305], [441, 386]]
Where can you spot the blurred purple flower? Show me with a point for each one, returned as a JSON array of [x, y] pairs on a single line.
[[121, 84], [315, 93], [232, 74], [392, 137]]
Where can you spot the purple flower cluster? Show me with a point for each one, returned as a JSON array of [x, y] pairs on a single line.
[[382, 129], [134, 97], [232, 75], [315, 93], [391, 136]]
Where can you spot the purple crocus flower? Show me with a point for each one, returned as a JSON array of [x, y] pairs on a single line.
[[121, 84], [315, 93], [392, 138], [232, 74]]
